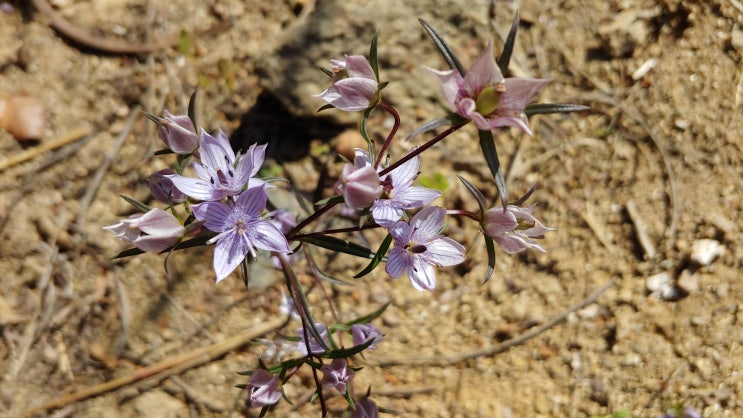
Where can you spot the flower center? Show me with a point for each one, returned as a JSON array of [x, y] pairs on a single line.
[[489, 99]]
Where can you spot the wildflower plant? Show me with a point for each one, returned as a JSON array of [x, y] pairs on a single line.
[[214, 196]]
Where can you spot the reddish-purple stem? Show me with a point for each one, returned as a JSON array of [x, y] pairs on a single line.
[[391, 110]]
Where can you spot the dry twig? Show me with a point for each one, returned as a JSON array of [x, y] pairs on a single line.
[[46, 146], [162, 370]]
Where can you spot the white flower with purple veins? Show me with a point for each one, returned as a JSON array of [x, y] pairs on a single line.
[[355, 86], [240, 228], [515, 229], [419, 247], [264, 388], [221, 173], [359, 183], [153, 231], [336, 375], [485, 97], [401, 194]]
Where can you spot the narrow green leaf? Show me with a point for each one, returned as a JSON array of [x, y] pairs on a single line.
[[505, 57], [295, 289], [377, 257], [244, 269], [326, 71], [443, 48], [373, 55], [337, 244], [490, 246], [370, 317], [347, 352], [543, 108], [325, 107], [318, 272], [334, 200], [137, 204], [192, 109], [165, 151], [128, 253], [152, 117], [487, 144], [428, 126], [476, 193]]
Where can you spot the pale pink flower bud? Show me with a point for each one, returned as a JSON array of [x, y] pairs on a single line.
[[153, 231], [178, 133], [515, 229], [355, 87]]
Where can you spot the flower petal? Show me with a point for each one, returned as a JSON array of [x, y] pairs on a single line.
[[385, 212], [415, 197], [213, 214], [444, 252], [229, 252], [450, 82], [484, 72], [427, 223], [359, 66], [422, 276], [267, 236], [398, 262]]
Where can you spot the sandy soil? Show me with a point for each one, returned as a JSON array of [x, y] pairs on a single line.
[[632, 186]]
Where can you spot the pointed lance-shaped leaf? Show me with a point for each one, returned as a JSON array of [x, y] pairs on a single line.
[[505, 57], [373, 60], [543, 108], [487, 144], [136, 203], [337, 244], [370, 317], [443, 48], [192, 109], [490, 247], [347, 352], [377, 257], [477, 194]]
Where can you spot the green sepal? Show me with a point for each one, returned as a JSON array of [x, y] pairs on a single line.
[[477, 194], [373, 55], [377, 257], [505, 57], [370, 317], [543, 108], [487, 144], [136, 203], [490, 246], [337, 244], [443, 48], [365, 135]]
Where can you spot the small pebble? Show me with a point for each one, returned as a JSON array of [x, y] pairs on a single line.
[[705, 251]]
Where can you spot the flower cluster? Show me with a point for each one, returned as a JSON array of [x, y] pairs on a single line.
[[223, 201]]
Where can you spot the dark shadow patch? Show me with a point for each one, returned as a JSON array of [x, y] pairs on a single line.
[[288, 136]]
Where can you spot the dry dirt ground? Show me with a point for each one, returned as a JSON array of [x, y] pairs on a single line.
[[631, 187]]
